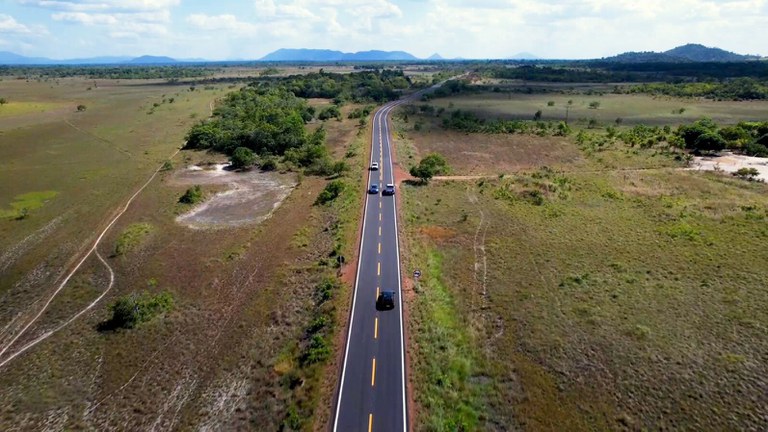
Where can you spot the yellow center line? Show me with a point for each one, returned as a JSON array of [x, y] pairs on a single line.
[[373, 372], [377, 292], [379, 228], [370, 422], [378, 270], [379, 247], [376, 328]]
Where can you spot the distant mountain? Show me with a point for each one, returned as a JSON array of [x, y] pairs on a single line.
[[9, 58], [700, 53], [319, 55], [682, 54], [524, 56], [150, 60], [435, 56], [646, 57]]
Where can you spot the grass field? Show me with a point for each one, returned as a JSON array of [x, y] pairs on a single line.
[[587, 297], [226, 356]]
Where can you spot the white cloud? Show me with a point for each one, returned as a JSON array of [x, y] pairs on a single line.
[[229, 23], [9, 25], [104, 6]]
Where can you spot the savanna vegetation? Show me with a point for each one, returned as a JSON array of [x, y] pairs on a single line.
[[586, 294]]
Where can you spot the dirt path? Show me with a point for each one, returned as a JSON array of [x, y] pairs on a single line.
[[69, 275]]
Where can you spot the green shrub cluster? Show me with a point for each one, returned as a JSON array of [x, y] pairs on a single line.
[[193, 195], [134, 309], [332, 190]]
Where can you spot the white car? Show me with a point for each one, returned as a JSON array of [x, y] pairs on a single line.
[[374, 166]]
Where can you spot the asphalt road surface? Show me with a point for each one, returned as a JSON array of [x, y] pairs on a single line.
[[372, 393]]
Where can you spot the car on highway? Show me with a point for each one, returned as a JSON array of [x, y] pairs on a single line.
[[374, 166], [386, 300], [389, 189], [374, 189]]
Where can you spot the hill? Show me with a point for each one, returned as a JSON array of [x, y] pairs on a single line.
[[682, 54], [700, 53], [146, 60], [320, 55]]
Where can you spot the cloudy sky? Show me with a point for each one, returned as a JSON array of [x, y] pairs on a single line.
[[248, 29]]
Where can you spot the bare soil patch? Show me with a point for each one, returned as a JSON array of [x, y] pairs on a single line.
[[729, 162], [250, 197]]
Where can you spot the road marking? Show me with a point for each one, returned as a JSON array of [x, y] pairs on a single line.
[[373, 372], [379, 204], [379, 248], [379, 227], [379, 220], [370, 422], [377, 292], [376, 328], [378, 269]]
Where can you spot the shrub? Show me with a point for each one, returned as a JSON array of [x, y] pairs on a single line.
[[747, 173], [81, 108], [242, 157], [131, 237], [193, 195], [594, 105], [331, 191], [131, 310], [756, 149]]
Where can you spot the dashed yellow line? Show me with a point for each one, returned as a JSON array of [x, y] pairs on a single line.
[[377, 292], [376, 328], [378, 270], [379, 248], [379, 227], [370, 422], [373, 372]]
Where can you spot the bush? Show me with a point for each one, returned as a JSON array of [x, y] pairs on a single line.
[[81, 108], [429, 167], [331, 191], [242, 157], [193, 195], [594, 105], [745, 173], [756, 149], [134, 309]]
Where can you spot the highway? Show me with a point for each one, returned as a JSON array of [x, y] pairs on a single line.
[[372, 394]]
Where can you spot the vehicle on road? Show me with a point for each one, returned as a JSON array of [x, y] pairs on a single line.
[[374, 189], [374, 166], [389, 189], [386, 300]]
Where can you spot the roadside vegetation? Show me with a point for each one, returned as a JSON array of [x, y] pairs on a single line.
[[131, 237]]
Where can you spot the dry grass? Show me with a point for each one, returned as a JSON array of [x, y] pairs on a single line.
[[615, 300], [219, 359]]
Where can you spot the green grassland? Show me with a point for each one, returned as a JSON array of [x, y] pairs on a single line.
[[632, 109], [591, 296]]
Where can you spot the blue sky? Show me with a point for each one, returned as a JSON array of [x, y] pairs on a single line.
[[248, 29]]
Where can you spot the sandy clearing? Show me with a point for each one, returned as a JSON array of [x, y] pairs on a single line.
[[252, 196], [729, 162]]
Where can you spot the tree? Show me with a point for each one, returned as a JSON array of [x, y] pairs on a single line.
[[3, 101], [710, 141], [594, 105], [429, 167], [691, 133], [537, 116], [242, 157]]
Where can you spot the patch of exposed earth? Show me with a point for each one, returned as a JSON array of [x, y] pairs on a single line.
[[729, 162], [251, 196]]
